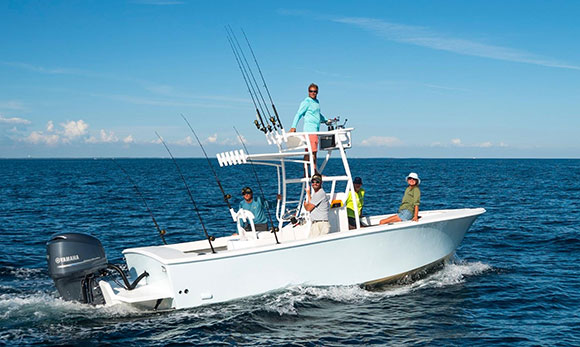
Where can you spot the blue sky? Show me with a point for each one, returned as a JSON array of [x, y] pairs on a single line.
[[414, 78]]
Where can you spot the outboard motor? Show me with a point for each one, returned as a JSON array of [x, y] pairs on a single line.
[[75, 261]]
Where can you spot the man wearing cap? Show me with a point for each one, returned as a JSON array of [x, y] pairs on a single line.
[[360, 200], [258, 209], [318, 205]]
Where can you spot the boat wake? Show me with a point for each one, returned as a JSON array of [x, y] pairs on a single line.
[[451, 273], [46, 307], [30, 308]]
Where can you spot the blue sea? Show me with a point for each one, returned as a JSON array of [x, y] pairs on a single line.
[[515, 279]]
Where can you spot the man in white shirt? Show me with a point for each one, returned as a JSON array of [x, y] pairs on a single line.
[[318, 205]]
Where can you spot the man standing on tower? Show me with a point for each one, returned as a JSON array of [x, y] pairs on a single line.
[[310, 110]]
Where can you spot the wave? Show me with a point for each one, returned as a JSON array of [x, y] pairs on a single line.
[[45, 307], [452, 273]]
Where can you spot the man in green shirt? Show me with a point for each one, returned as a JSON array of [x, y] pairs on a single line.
[[409, 208], [360, 200]]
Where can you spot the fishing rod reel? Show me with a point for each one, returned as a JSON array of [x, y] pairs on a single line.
[[76, 264], [273, 120], [263, 129]]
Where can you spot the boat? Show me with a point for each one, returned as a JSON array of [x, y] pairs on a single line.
[[247, 263]]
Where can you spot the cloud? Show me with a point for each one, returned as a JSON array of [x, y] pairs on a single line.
[[129, 139], [68, 132], [13, 120], [425, 37], [37, 137], [187, 141], [212, 139], [381, 141], [456, 142], [74, 129], [105, 137]]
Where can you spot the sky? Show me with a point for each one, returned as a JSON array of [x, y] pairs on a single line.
[[415, 79]]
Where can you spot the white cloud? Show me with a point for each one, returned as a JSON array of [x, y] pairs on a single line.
[[241, 139], [108, 137], [14, 120], [381, 141], [105, 137], [187, 141], [486, 144], [235, 141], [424, 37], [75, 128], [37, 137], [129, 139], [212, 139], [50, 126]]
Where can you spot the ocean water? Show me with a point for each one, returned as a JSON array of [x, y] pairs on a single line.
[[513, 281]]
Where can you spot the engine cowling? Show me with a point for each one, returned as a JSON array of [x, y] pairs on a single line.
[[75, 261]]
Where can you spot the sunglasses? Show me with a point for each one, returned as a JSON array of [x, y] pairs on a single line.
[[316, 181], [313, 91], [246, 192]]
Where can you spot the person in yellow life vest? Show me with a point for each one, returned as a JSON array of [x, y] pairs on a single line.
[[360, 200]]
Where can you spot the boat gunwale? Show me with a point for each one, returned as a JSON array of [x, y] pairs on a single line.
[[259, 249]]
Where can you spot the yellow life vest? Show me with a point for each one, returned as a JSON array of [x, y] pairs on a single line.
[[360, 198]]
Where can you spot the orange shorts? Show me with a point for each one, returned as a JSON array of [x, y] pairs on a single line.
[[313, 143]]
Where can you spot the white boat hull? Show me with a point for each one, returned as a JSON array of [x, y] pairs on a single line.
[[179, 278]]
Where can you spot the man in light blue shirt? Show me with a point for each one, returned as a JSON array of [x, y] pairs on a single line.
[[310, 110], [258, 207]]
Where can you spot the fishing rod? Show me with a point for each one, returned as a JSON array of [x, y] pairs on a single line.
[[238, 60], [274, 228], [249, 73], [209, 238], [227, 197], [255, 82], [263, 80], [162, 232]]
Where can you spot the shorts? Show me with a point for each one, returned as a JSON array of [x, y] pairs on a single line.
[[405, 215], [352, 221], [313, 143]]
